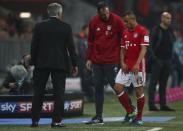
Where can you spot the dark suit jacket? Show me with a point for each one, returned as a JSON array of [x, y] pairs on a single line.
[[51, 45]]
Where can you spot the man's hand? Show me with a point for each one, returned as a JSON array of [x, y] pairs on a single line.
[[124, 68], [135, 69], [88, 64], [74, 71]]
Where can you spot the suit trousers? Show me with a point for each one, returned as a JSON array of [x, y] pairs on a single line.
[[40, 77], [159, 75]]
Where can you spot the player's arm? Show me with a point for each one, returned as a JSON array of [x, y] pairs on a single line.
[[122, 53], [90, 46], [144, 43], [124, 67], [142, 53], [141, 56]]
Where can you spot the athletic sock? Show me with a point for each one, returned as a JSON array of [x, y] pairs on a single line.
[[123, 98], [140, 106]]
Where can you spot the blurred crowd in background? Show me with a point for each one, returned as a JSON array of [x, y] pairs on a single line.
[[12, 26], [78, 13]]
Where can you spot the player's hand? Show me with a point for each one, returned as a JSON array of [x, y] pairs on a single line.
[[74, 71], [135, 69], [124, 68], [12, 85], [88, 64]]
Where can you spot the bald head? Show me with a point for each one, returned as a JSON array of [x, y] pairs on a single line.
[[166, 19]]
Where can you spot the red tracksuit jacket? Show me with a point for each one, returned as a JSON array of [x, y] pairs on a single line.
[[104, 40]]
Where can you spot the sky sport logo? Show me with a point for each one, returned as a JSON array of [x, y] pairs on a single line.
[[8, 107], [25, 107], [74, 105]]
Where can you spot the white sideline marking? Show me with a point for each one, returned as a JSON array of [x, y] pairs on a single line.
[[155, 129]]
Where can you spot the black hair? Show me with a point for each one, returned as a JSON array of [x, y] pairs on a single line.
[[129, 13], [101, 5]]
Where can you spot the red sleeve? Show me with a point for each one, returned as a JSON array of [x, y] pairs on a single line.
[[122, 26], [122, 29], [123, 39], [145, 37], [90, 41]]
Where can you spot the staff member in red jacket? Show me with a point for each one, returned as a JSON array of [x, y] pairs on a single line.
[[103, 53]]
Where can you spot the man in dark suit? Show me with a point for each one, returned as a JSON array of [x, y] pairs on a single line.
[[162, 39], [51, 46]]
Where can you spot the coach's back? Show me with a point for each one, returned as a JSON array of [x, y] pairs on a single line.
[[51, 43]]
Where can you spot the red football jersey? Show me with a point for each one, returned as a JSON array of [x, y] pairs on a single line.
[[131, 42], [104, 40]]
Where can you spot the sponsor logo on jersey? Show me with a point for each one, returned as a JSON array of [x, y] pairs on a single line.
[[135, 35], [109, 27], [146, 38]]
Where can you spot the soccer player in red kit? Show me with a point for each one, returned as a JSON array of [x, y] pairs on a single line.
[[133, 49], [103, 53]]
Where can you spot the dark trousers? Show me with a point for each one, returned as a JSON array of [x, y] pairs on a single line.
[[101, 72], [160, 73], [86, 80], [40, 78]]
